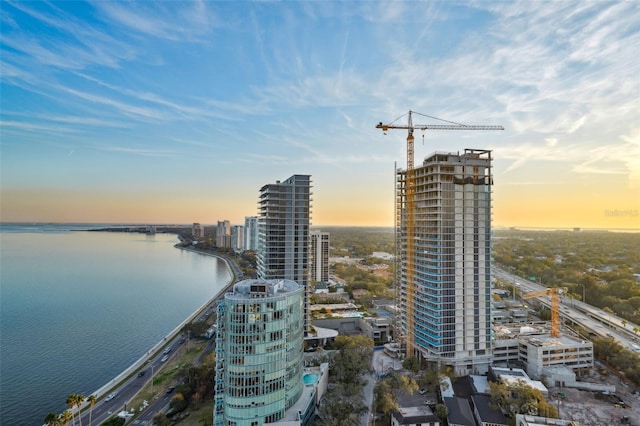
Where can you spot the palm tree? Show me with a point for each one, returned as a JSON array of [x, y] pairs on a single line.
[[71, 402], [65, 417], [92, 401], [79, 401], [52, 419]]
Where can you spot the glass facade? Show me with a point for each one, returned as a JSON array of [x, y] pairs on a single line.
[[259, 359], [283, 233]]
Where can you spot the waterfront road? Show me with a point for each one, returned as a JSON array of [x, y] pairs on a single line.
[[134, 384], [125, 390]]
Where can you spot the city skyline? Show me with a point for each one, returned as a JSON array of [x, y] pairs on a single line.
[[169, 112]]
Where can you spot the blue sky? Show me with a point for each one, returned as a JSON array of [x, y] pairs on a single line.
[[179, 112]]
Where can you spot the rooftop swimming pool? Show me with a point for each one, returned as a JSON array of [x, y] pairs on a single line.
[[310, 379]]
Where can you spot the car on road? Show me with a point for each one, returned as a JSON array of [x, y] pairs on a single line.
[[171, 389], [111, 396], [142, 373], [167, 350], [164, 358]]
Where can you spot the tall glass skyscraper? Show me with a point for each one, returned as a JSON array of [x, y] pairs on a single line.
[[444, 289], [283, 233], [259, 352]]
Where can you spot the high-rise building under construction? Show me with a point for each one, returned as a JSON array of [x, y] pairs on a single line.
[[444, 271]]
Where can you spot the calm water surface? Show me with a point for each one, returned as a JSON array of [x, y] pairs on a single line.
[[77, 308]]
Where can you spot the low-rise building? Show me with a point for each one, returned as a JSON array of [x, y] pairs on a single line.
[[412, 411], [533, 347]]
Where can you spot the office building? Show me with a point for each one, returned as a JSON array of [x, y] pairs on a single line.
[[444, 252], [259, 352], [283, 236], [223, 234], [251, 233], [319, 256]]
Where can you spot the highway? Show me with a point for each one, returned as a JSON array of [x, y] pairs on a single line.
[[595, 320]]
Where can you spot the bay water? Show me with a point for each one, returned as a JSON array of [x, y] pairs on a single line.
[[77, 308]]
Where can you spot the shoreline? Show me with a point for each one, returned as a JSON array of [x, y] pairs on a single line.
[[114, 383]]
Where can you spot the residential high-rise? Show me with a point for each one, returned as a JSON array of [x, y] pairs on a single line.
[[283, 236], [447, 304], [223, 234], [251, 233], [197, 231], [259, 352], [237, 238], [319, 256]]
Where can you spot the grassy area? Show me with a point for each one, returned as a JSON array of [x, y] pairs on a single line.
[[202, 416]]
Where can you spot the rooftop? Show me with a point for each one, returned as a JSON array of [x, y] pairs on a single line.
[[259, 288]]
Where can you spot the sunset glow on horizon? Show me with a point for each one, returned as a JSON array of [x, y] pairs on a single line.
[[174, 113]]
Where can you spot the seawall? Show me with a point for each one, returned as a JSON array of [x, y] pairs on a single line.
[[116, 381]]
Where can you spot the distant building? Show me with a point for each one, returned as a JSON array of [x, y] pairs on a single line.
[[251, 233], [259, 352], [223, 234], [319, 256], [237, 238], [283, 238], [197, 231]]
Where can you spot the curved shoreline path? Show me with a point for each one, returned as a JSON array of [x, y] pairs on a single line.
[[124, 378]]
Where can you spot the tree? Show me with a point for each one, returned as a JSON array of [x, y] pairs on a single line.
[[65, 417], [79, 400], [52, 419], [178, 403], [161, 420], [429, 379], [385, 402], [520, 398], [412, 364], [92, 401], [71, 402], [441, 411], [353, 359], [342, 405], [388, 390]]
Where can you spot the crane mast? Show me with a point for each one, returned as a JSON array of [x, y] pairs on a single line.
[[553, 293], [409, 202]]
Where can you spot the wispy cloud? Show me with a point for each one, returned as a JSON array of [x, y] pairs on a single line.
[[191, 21], [143, 152], [77, 46]]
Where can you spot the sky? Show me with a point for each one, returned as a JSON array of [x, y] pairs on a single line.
[[179, 112]]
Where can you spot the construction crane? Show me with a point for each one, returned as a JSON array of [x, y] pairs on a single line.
[[410, 201], [553, 293]]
